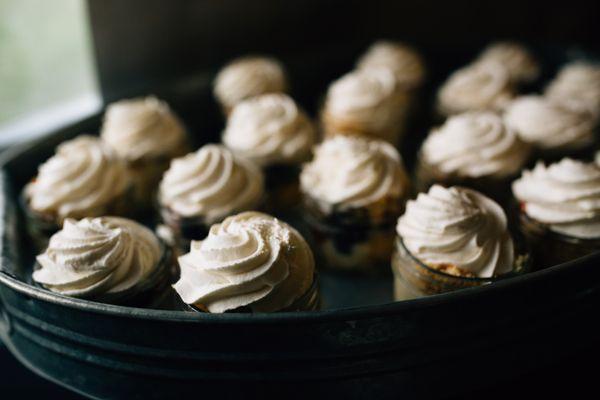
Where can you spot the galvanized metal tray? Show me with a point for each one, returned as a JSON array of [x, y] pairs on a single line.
[[361, 345]]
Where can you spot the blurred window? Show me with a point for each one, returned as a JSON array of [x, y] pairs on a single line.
[[47, 76]]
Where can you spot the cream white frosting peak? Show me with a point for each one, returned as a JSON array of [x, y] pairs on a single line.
[[81, 179], [406, 64], [247, 77], [353, 171], [142, 127], [518, 61], [475, 144], [98, 256], [368, 102], [549, 125], [211, 183], [565, 196], [460, 227], [577, 86], [480, 86], [366, 96], [270, 129], [249, 260]]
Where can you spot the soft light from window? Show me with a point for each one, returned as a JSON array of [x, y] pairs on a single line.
[[47, 76]]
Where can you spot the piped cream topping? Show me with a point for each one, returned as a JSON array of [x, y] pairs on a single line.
[[98, 256], [473, 145], [354, 171], [270, 129], [565, 196], [82, 179], [249, 260], [211, 183], [577, 86], [365, 101], [458, 227], [518, 61], [247, 77], [548, 124], [142, 128], [406, 64], [480, 86]]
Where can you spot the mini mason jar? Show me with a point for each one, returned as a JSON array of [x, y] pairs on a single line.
[[178, 231], [551, 248], [413, 278], [41, 226], [153, 293], [283, 188], [496, 187], [359, 240]]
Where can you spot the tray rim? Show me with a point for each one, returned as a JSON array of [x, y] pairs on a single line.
[[355, 313]]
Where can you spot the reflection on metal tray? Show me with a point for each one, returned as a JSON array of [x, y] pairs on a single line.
[[362, 343]]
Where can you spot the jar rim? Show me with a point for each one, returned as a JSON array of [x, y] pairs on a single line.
[[491, 279], [546, 230]]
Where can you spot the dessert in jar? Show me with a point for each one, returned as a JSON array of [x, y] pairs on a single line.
[[577, 86], [476, 87], [449, 239], [204, 187], [521, 65], [84, 178], [409, 69], [474, 149], [559, 209], [353, 191], [250, 262], [273, 132], [405, 62], [106, 259], [366, 102], [248, 77], [146, 134], [552, 128]]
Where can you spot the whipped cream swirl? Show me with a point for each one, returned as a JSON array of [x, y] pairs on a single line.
[[518, 61], [564, 196], [352, 172], [100, 256], [141, 128], [82, 179], [248, 77], [270, 129], [480, 86], [577, 86], [458, 227], [548, 124], [211, 183], [249, 260], [364, 101], [473, 145], [406, 64]]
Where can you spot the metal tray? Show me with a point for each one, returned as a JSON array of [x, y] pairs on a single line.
[[361, 345]]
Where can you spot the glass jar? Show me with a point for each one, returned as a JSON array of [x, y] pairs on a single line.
[[360, 239], [282, 183], [413, 278], [496, 188], [551, 248]]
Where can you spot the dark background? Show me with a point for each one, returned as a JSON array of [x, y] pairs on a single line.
[[143, 43], [170, 38]]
